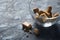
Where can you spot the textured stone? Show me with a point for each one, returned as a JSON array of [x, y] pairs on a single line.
[[10, 9]]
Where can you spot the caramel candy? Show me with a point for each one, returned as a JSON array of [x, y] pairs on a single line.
[[43, 15], [37, 16], [40, 12], [36, 32], [36, 10], [44, 19], [56, 14], [27, 26], [48, 11]]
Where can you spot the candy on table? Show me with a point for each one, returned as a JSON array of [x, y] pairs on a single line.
[[36, 32], [27, 26]]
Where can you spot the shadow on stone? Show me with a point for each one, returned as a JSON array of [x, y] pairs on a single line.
[[48, 32]]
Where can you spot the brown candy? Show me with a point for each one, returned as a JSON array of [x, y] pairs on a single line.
[[56, 14], [36, 32], [40, 12], [36, 10], [48, 11], [37, 16], [27, 26]]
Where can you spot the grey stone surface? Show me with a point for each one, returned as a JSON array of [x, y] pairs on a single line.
[[14, 12]]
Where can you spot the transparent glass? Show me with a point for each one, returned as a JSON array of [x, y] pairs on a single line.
[[43, 4]]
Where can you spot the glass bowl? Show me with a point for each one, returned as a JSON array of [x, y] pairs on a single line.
[[41, 4]]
